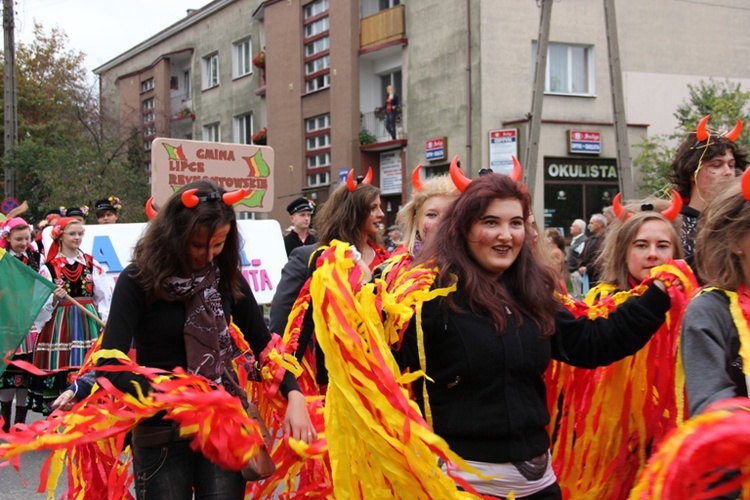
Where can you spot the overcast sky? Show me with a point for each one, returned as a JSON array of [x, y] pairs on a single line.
[[102, 29]]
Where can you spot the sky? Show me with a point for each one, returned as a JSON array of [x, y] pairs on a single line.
[[101, 29]]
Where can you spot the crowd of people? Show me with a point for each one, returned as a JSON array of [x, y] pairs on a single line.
[[548, 366]]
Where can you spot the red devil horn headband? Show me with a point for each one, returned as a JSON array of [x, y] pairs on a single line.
[[702, 134], [457, 176], [416, 181], [517, 170], [351, 184], [670, 213], [190, 199]]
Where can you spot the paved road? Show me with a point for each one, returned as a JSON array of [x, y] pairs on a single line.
[[12, 486]]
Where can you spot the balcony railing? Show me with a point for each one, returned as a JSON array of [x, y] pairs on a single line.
[[385, 26], [376, 128]]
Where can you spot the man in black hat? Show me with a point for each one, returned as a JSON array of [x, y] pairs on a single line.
[[108, 210], [300, 213]]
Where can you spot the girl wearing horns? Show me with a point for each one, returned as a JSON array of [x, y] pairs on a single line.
[[15, 237], [487, 343], [630, 421], [715, 334], [704, 159], [68, 332], [175, 301]]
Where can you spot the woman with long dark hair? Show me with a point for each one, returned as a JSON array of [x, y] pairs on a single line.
[[174, 302], [485, 346]]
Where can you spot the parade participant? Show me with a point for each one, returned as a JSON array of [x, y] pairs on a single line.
[[175, 301], [555, 246], [50, 216], [352, 214], [704, 159], [78, 213], [429, 201], [15, 236], [631, 422], [485, 345], [108, 210], [715, 339], [300, 213], [67, 332]]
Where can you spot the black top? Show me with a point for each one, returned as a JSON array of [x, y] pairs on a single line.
[[590, 252], [292, 241], [158, 331], [488, 398]]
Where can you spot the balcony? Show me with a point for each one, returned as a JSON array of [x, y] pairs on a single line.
[[374, 130], [381, 28]]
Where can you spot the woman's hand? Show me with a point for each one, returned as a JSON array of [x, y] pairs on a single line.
[[663, 287], [297, 421], [59, 293], [65, 401]]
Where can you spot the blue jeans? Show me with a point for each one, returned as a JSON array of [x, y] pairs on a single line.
[[175, 472]]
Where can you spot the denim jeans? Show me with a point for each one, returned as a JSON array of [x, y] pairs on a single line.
[[175, 472]]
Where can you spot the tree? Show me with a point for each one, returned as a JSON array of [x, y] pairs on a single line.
[[70, 152], [724, 101]]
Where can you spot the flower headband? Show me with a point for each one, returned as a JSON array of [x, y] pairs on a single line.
[[11, 224]]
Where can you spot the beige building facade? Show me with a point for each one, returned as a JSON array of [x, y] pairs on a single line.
[[463, 71]]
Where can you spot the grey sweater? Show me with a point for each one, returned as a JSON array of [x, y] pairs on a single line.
[[710, 352]]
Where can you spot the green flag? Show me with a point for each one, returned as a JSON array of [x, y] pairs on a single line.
[[22, 294]]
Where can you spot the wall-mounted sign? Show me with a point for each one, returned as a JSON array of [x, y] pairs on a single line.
[[576, 169], [434, 149], [584, 141], [390, 172], [503, 146]]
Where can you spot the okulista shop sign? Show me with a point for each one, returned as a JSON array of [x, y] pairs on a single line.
[[574, 169]]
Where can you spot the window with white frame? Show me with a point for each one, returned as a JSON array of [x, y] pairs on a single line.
[[318, 82], [147, 85], [570, 68], [147, 145], [321, 122], [317, 65], [211, 71], [212, 132], [315, 8], [318, 161], [187, 83], [317, 46], [147, 166], [319, 179], [149, 131], [318, 142], [317, 27], [149, 117], [242, 58], [148, 104], [243, 129]]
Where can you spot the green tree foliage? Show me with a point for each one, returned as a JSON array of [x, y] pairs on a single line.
[[724, 101], [69, 152]]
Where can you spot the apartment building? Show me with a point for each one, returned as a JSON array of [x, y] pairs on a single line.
[[463, 70]]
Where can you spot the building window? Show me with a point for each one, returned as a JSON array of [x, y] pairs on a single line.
[[149, 117], [319, 179], [570, 69], [147, 145], [317, 46], [315, 8], [317, 65], [149, 131], [243, 129], [317, 83], [148, 104], [187, 83], [212, 132], [211, 71], [317, 27], [147, 85], [147, 166], [242, 58], [318, 149]]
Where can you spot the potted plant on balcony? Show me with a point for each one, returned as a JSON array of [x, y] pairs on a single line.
[[261, 138], [260, 60], [185, 113]]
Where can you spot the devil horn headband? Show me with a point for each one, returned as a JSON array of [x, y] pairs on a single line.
[[670, 213], [416, 181], [351, 184], [702, 134]]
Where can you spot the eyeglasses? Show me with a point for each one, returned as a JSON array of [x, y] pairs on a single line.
[[75, 233]]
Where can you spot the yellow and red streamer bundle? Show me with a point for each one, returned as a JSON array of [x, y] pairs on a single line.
[[605, 422]]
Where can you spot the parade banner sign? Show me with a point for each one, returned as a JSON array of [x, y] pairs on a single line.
[[263, 253], [176, 162]]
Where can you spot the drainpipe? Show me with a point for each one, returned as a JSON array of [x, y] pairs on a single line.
[[468, 87]]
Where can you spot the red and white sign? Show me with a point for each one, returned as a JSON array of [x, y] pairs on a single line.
[[435, 149], [503, 147], [585, 141]]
